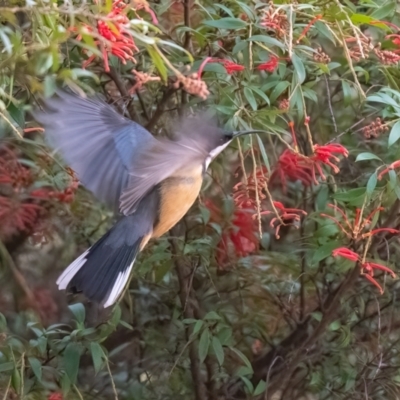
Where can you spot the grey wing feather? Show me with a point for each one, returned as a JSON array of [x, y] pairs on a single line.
[[165, 158], [97, 142]]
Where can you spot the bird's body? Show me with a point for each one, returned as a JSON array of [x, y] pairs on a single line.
[[150, 182], [184, 185]]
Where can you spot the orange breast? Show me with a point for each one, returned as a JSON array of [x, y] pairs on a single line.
[[178, 194]]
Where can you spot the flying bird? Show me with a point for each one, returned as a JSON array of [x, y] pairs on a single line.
[[150, 182]]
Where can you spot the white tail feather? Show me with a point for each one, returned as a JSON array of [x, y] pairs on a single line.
[[66, 277], [119, 286]]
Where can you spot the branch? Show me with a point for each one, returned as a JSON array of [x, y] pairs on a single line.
[[160, 108], [114, 75], [186, 297], [186, 16]]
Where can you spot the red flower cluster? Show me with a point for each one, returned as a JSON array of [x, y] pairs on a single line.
[[240, 235], [245, 193], [295, 166], [286, 216], [144, 5], [115, 38], [356, 230], [391, 167], [20, 206], [55, 396], [367, 268], [229, 65], [17, 216], [395, 40], [270, 66], [325, 155]]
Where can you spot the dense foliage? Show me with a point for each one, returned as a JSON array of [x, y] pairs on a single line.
[[280, 283]]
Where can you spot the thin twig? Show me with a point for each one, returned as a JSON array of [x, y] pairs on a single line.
[[78, 392], [114, 75], [186, 16], [188, 312], [160, 108], [12, 125], [351, 127], [328, 91], [112, 381], [258, 202]]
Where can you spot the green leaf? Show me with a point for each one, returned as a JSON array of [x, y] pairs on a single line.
[[267, 40], [324, 251], [360, 19], [7, 366], [158, 62], [367, 156], [242, 357], [226, 9], [250, 98], [323, 30], [261, 94], [204, 344], [299, 68], [224, 335], [36, 367], [17, 114], [350, 195], [335, 325], [279, 89], [371, 184], [389, 8], [347, 94], [249, 386], [212, 315], [197, 326], [394, 133], [260, 388], [16, 380], [218, 350], [263, 153], [98, 356], [3, 323], [79, 312], [226, 23], [71, 361]]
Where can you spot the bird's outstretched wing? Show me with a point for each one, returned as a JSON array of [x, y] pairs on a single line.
[[163, 161], [97, 142]]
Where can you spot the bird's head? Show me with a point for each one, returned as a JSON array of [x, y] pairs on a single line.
[[221, 139], [203, 133]]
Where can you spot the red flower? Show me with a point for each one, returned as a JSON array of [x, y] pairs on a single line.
[[115, 38], [292, 166], [395, 41], [143, 4], [354, 231], [238, 237], [367, 267], [55, 396], [307, 28], [230, 66], [245, 193], [270, 65], [326, 155], [345, 253], [17, 216], [283, 216], [391, 167]]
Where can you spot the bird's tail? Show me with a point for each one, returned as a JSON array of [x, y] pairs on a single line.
[[103, 270]]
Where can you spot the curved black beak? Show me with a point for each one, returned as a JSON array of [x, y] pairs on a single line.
[[236, 134]]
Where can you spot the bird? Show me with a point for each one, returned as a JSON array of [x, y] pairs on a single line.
[[149, 182]]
